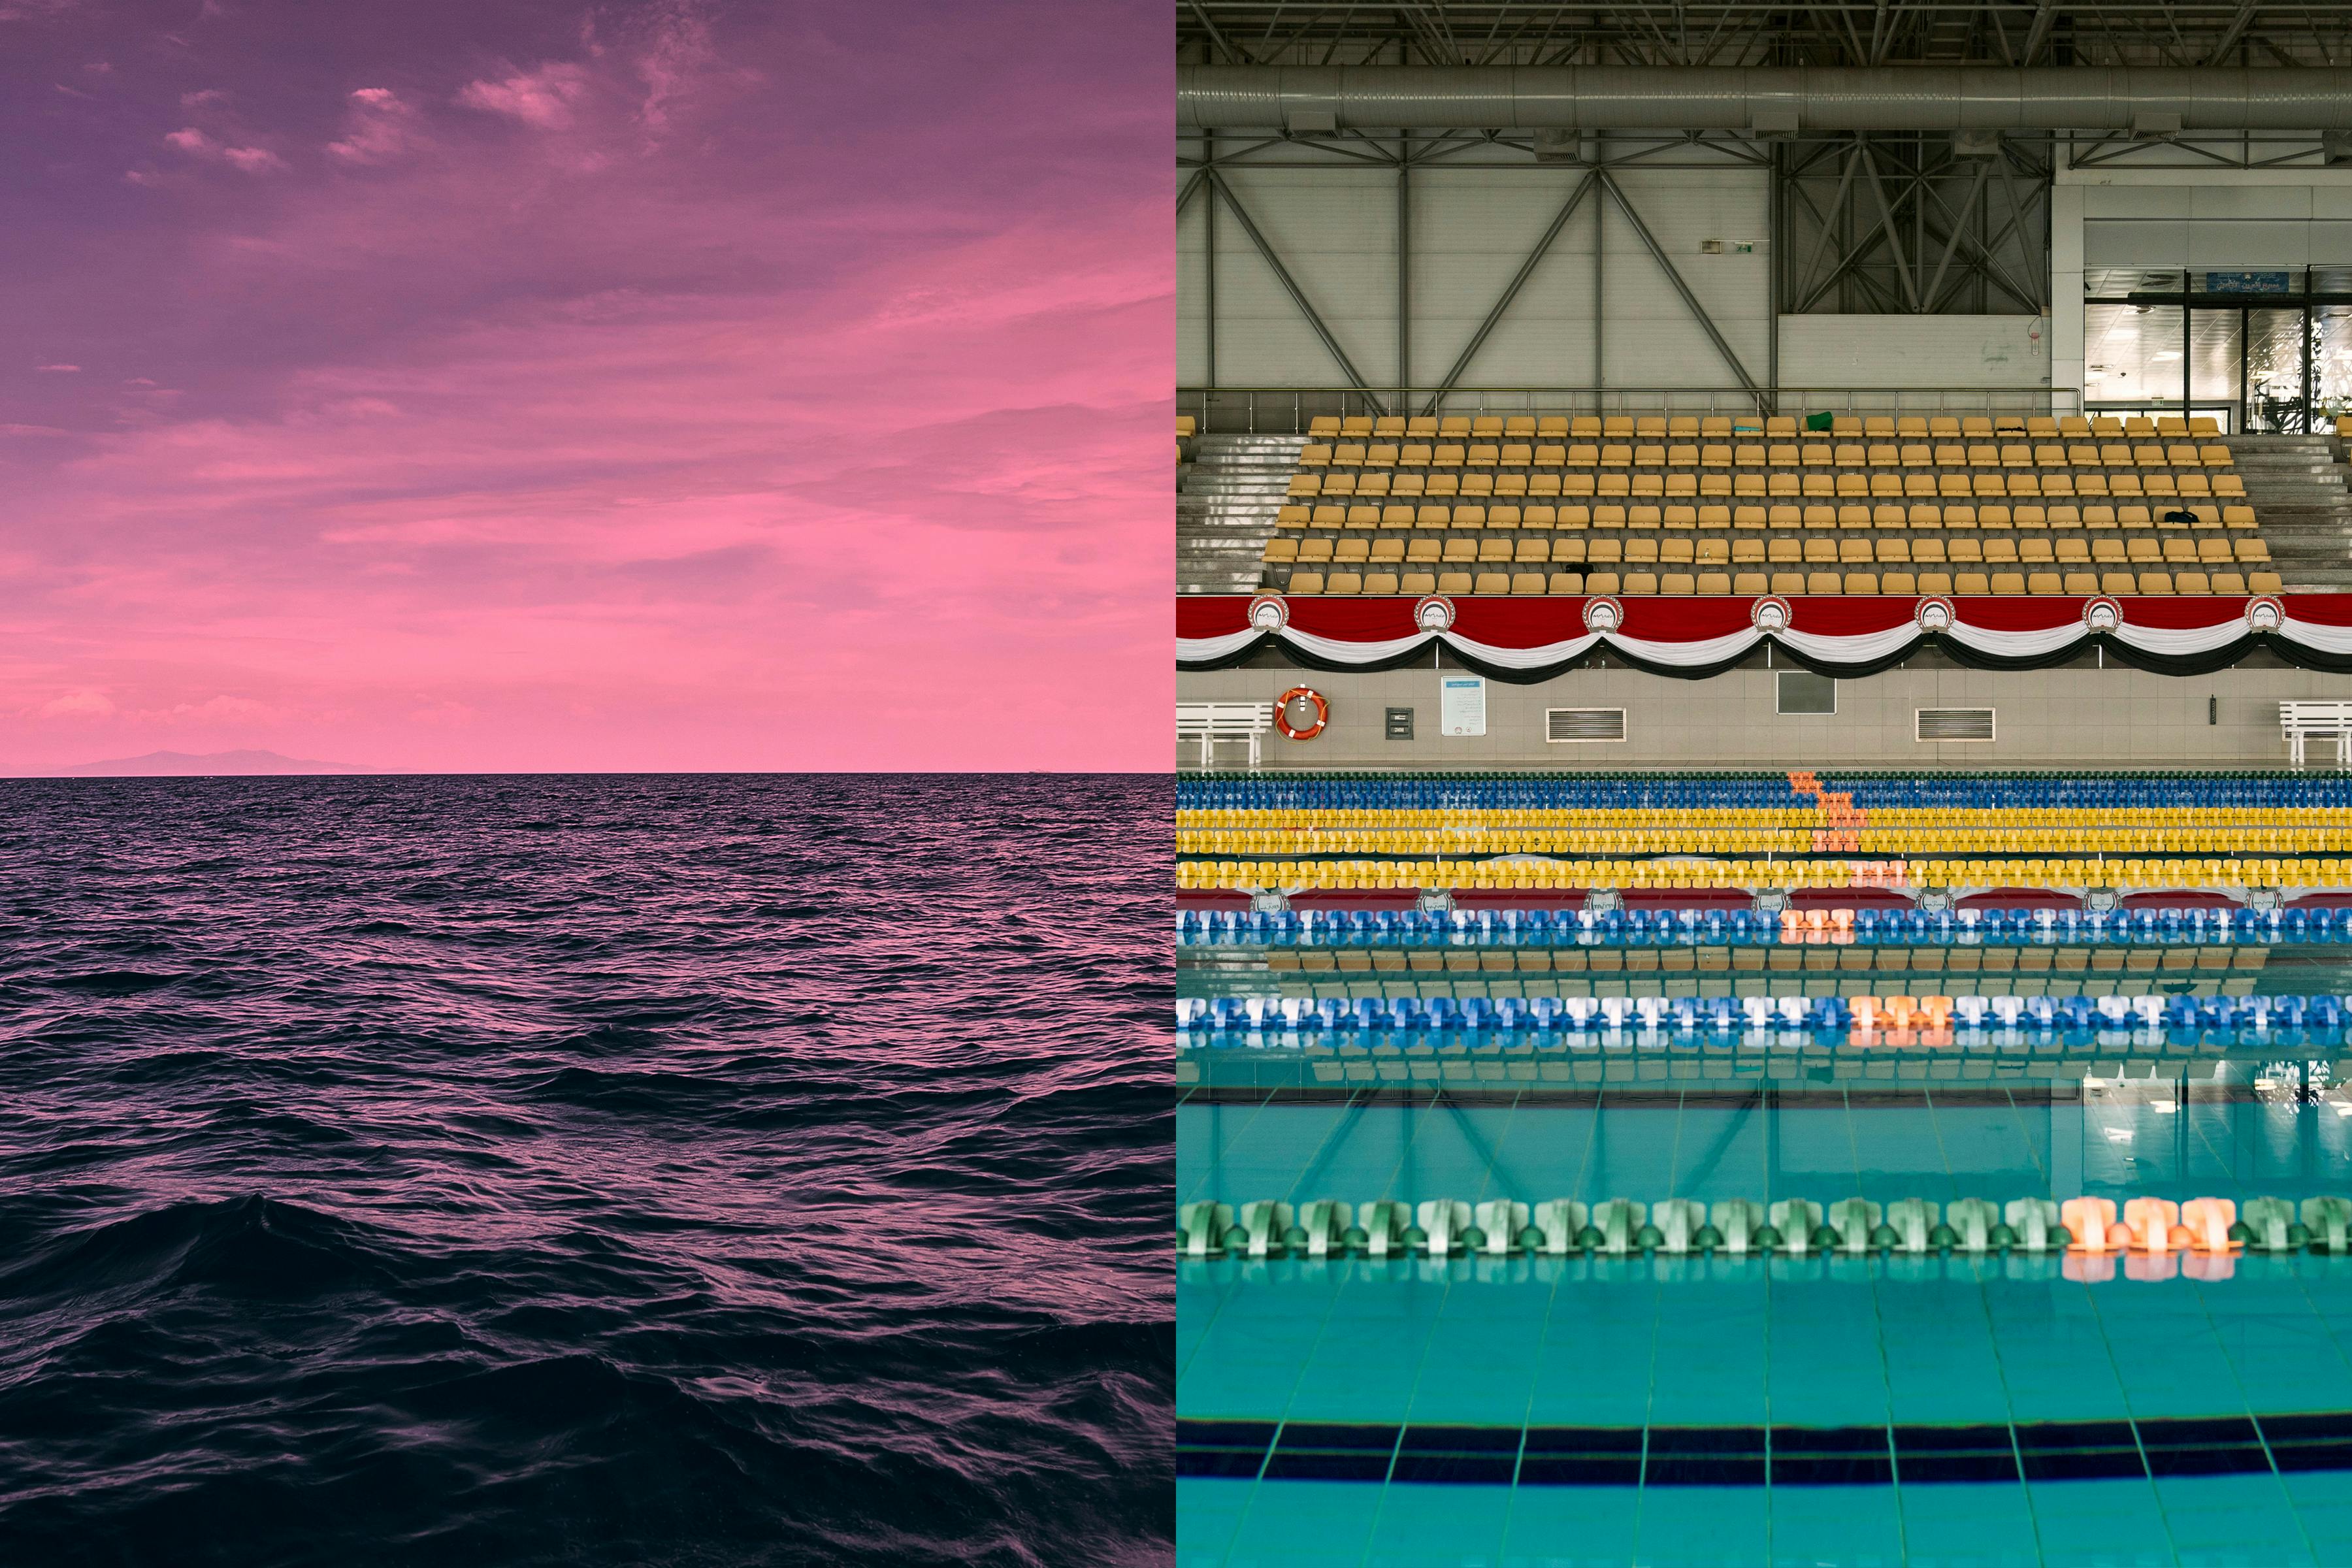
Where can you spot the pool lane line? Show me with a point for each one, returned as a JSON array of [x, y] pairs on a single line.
[[1449, 1454]]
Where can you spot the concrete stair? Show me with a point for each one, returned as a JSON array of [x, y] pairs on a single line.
[[2297, 486], [1226, 498]]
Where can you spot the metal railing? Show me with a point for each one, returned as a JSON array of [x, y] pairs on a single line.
[[1288, 410]]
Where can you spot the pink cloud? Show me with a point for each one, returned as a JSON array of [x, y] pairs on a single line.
[[378, 128], [57, 369], [546, 97], [731, 457], [195, 144]]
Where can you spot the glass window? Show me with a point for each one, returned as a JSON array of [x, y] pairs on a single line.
[[2273, 389], [2132, 353], [2331, 360], [2217, 344], [1802, 691]]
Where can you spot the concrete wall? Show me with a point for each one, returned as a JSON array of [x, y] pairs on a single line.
[[1471, 229], [2076, 716], [1914, 351]]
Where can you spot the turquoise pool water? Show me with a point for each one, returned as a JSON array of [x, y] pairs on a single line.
[[2124, 1416]]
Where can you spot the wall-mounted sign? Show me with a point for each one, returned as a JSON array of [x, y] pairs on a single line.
[[1398, 726], [1462, 704], [2249, 283]]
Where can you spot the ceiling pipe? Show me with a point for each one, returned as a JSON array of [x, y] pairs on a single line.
[[1301, 99]]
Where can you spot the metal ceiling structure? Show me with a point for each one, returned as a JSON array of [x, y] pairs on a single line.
[[1862, 221], [2158, 33]]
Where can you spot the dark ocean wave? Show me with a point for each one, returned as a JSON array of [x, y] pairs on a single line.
[[666, 1171]]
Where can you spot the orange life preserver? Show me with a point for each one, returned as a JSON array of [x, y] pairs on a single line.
[[1281, 713]]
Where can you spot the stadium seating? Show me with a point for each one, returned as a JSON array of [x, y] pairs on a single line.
[[1686, 504]]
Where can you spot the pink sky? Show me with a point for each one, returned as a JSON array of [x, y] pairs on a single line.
[[653, 386]]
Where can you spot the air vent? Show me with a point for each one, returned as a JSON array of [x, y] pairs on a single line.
[[1584, 724], [1953, 724]]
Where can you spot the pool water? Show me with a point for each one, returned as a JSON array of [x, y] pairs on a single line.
[[1417, 1411]]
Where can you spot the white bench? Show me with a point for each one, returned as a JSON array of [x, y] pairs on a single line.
[[2301, 722], [1210, 722]]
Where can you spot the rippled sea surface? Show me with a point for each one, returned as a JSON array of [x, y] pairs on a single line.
[[660, 1170]]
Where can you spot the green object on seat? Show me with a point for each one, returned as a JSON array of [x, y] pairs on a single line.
[[1796, 1219], [1202, 1226], [1265, 1222], [1854, 1219], [1326, 1226], [2328, 1220], [1678, 1222], [1618, 1220], [1738, 1220], [1821, 421], [1562, 1222], [2035, 1221], [2266, 1221], [1972, 1221], [1911, 1220]]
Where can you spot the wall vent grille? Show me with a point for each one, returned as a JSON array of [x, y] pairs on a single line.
[[1953, 723], [1584, 724]]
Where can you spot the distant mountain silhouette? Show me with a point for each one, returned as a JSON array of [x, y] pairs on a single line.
[[207, 765]]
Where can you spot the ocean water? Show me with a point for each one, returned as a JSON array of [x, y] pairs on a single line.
[[681, 1170]]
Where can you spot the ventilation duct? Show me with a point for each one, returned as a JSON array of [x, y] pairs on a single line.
[[1772, 101]]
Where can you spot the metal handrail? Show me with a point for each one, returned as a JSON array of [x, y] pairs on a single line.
[[1288, 410]]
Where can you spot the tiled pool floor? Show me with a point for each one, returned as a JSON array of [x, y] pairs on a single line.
[[2206, 1522]]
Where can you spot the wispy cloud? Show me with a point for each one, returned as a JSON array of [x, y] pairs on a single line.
[[547, 97], [377, 128], [195, 144]]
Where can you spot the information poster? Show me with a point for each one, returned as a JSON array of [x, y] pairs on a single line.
[[1462, 704]]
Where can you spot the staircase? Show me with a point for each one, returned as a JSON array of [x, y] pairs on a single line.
[[2297, 486], [1226, 498]]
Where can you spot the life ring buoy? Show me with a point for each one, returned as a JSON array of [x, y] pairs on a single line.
[[1281, 713]]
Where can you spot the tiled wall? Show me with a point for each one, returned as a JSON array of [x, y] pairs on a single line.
[[2110, 718]]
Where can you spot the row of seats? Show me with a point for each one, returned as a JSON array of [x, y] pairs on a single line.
[[1926, 517], [1677, 791], [1463, 932], [1784, 485], [1570, 808], [2184, 961], [1303, 583], [2211, 551], [2210, 1229], [1289, 1018], [1664, 791], [1499, 425], [2020, 839], [1825, 455], [1932, 872]]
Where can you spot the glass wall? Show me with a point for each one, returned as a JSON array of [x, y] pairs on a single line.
[[2260, 351]]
